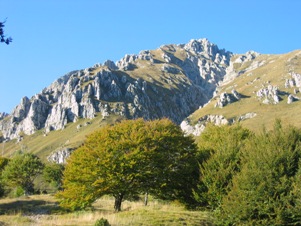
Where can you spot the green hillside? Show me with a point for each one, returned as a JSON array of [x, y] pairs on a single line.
[[274, 71], [70, 137]]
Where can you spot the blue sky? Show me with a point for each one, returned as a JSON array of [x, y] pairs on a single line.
[[51, 38]]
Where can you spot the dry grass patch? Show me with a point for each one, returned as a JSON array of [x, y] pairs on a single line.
[[43, 210]]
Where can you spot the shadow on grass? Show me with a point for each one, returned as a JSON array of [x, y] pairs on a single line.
[[28, 207]]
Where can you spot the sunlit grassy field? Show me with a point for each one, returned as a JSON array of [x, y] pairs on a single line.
[[44, 210]]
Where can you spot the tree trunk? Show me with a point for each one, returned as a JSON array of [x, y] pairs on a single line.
[[146, 198], [118, 201]]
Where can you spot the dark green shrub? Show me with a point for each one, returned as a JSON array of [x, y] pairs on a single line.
[[219, 159], [16, 192], [266, 191], [102, 222], [53, 174]]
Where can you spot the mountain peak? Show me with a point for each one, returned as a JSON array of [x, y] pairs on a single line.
[[172, 81]]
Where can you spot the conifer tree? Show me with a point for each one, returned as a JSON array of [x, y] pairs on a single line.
[[264, 192], [220, 149]]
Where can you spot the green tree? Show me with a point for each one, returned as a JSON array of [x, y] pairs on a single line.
[[3, 163], [53, 173], [263, 193], [294, 210], [21, 171], [172, 171], [219, 157], [128, 159]]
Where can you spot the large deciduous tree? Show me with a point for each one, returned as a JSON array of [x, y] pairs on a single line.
[[128, 159]]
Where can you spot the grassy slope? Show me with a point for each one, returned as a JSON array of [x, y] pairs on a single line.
[[43, 210], [69, 137], [275, 70]]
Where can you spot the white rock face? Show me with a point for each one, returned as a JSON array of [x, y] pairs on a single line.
[[226, 98], [195, 130], [217, 120], [291, 99], [110, 89], [247, 116], [268, 95], [60, 156], [3, 115], [297, 79], [200, 126], [294, 81]]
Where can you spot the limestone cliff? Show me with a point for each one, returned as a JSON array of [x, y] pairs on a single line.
[[172, 81]]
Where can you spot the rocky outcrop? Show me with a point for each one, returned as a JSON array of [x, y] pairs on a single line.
[[246, 116], [291, 99], [60, 156], [188, 129], [226, 98], [3, 115], [174, 88], [200, 126], [217, 120], [269, 95], [297, 79], [294, 81], [248, 56]]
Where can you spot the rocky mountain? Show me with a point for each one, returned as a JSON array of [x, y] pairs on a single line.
[[172, 81], [257, 90], [193, 84]]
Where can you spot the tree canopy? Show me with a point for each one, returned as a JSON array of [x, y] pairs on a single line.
[[266, 191], [3, 163], [219, 156], [128, 159], [53, 173], [21, 171]]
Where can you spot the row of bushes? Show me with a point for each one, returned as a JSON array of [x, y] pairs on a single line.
[[19, 174], [243, 178], [251, 179]]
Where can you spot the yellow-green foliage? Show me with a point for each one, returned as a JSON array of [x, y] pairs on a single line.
[[129, 158]]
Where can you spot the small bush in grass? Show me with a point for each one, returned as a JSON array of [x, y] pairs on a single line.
[[16, 192], [102, 222]]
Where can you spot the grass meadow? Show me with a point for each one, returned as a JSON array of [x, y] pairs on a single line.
[[44, 210]]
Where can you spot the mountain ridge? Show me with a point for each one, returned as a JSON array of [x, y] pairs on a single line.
[[193, 84], [186, 75], [271, 90]]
